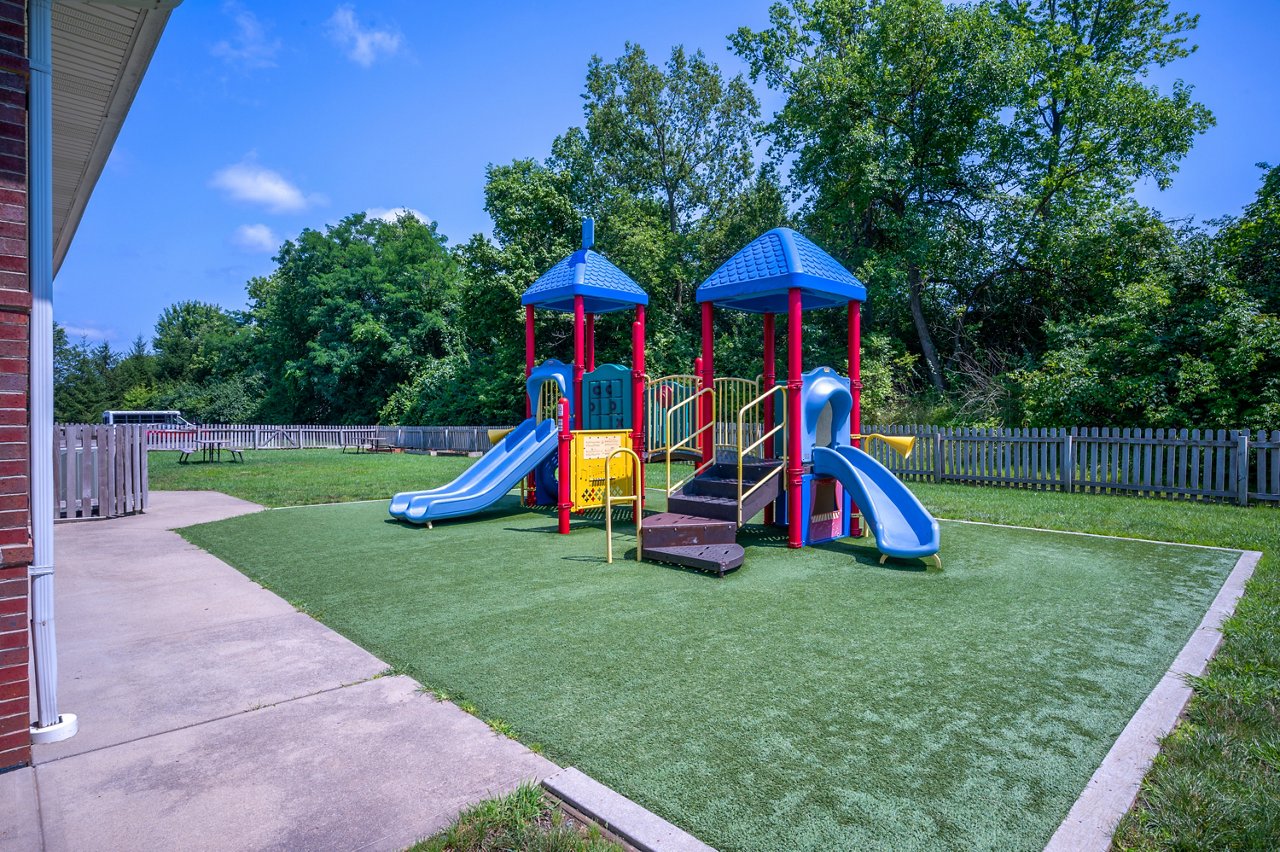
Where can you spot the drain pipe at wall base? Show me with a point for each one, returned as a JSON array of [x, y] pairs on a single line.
[[50, 725]]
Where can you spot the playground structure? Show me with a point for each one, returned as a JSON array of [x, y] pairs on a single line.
[[788, 449], [577, 414]]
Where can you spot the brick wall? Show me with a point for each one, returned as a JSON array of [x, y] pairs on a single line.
[[15, 337]]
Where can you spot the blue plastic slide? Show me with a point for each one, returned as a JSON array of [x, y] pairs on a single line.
[[901, 525], [480, 485]]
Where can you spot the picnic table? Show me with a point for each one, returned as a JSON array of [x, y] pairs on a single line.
[[211, 450], [373, 444]]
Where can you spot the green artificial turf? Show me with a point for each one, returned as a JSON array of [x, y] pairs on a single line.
[[1216, 781], [812, 700], [296, 477]]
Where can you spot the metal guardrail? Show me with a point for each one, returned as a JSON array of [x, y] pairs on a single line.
[[743, 451], [670, 448]]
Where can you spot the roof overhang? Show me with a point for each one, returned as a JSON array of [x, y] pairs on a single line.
[[101, 50]]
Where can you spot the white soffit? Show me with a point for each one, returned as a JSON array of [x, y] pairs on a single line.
[[101, 51]]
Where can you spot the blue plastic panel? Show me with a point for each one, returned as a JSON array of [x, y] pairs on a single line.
[[561, 372], [606, 394], [757, 278], [604, 287]]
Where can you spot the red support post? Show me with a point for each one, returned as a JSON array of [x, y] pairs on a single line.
[[638, 413], [591, 342], [708, 381], [579, 319], [855, 370], [531, 494], [770, 379], [795, 471], [528, 355], [855, 388], [565, 473]]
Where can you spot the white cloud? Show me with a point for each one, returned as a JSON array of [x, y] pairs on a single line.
[[363, 45], [248, 181], [391, 214], [76, 332], [256, 238], [249, 47]]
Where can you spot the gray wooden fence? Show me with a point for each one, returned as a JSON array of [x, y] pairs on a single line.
[[459, 439], [99, 471], [1216, 465]]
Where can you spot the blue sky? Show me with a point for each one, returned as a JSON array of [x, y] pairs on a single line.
[[258, 120]]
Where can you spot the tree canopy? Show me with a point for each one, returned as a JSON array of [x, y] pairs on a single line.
[[973, 163]]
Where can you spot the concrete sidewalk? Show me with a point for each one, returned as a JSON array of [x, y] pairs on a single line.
[[215, 716]]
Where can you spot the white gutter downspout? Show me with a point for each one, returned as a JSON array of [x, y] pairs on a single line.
[[49, 726]]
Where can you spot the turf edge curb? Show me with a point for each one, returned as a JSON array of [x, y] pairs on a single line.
[[1114, 787], [618, 815]]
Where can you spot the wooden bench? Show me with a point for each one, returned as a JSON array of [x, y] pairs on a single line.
[[184, 453]]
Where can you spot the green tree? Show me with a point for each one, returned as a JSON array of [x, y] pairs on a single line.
[[681, 134], [1085, 125], [663, 164], [349, 315], [137, 369], [1250, 245], [82, 387], [890, 112], [1177, 343], [193, 341]]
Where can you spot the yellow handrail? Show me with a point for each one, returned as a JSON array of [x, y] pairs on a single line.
[[633, 499], [742, 451], [710, 424]]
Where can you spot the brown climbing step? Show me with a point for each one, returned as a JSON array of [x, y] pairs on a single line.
[[717, 558], [675, 529]]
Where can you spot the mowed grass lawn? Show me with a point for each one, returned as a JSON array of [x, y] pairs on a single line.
[[295, 477], [812, 700]]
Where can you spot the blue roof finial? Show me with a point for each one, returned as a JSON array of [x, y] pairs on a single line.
[[588, 233]]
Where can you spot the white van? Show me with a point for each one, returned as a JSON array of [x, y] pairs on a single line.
[[146, 418]]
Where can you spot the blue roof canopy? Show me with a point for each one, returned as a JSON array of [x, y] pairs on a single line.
[[757, 278], [603, 287]]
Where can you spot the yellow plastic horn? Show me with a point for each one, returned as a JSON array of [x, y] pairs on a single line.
[[900, 444], [496, 435]]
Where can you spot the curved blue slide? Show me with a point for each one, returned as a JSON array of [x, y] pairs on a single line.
[[482, 484], [902, 526]]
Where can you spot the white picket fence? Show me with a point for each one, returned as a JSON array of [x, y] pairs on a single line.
[[1216, 465], [99, 471], [459, 439]]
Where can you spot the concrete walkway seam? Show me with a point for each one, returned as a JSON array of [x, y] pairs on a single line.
[[1114, 787], [212, 719], [637, 826]]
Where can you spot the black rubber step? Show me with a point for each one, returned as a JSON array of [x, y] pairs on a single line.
[[674, 529], [703, 505], [718, 559], [718, 486], [691, 500], [753, 470]]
